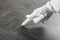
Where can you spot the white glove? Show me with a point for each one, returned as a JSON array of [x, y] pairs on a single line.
[[38, 14], [35, 16]]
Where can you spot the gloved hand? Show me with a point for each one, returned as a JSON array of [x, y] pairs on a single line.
[[39, 14]]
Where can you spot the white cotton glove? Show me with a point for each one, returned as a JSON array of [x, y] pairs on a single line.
[[42, 13], [35, 16]]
